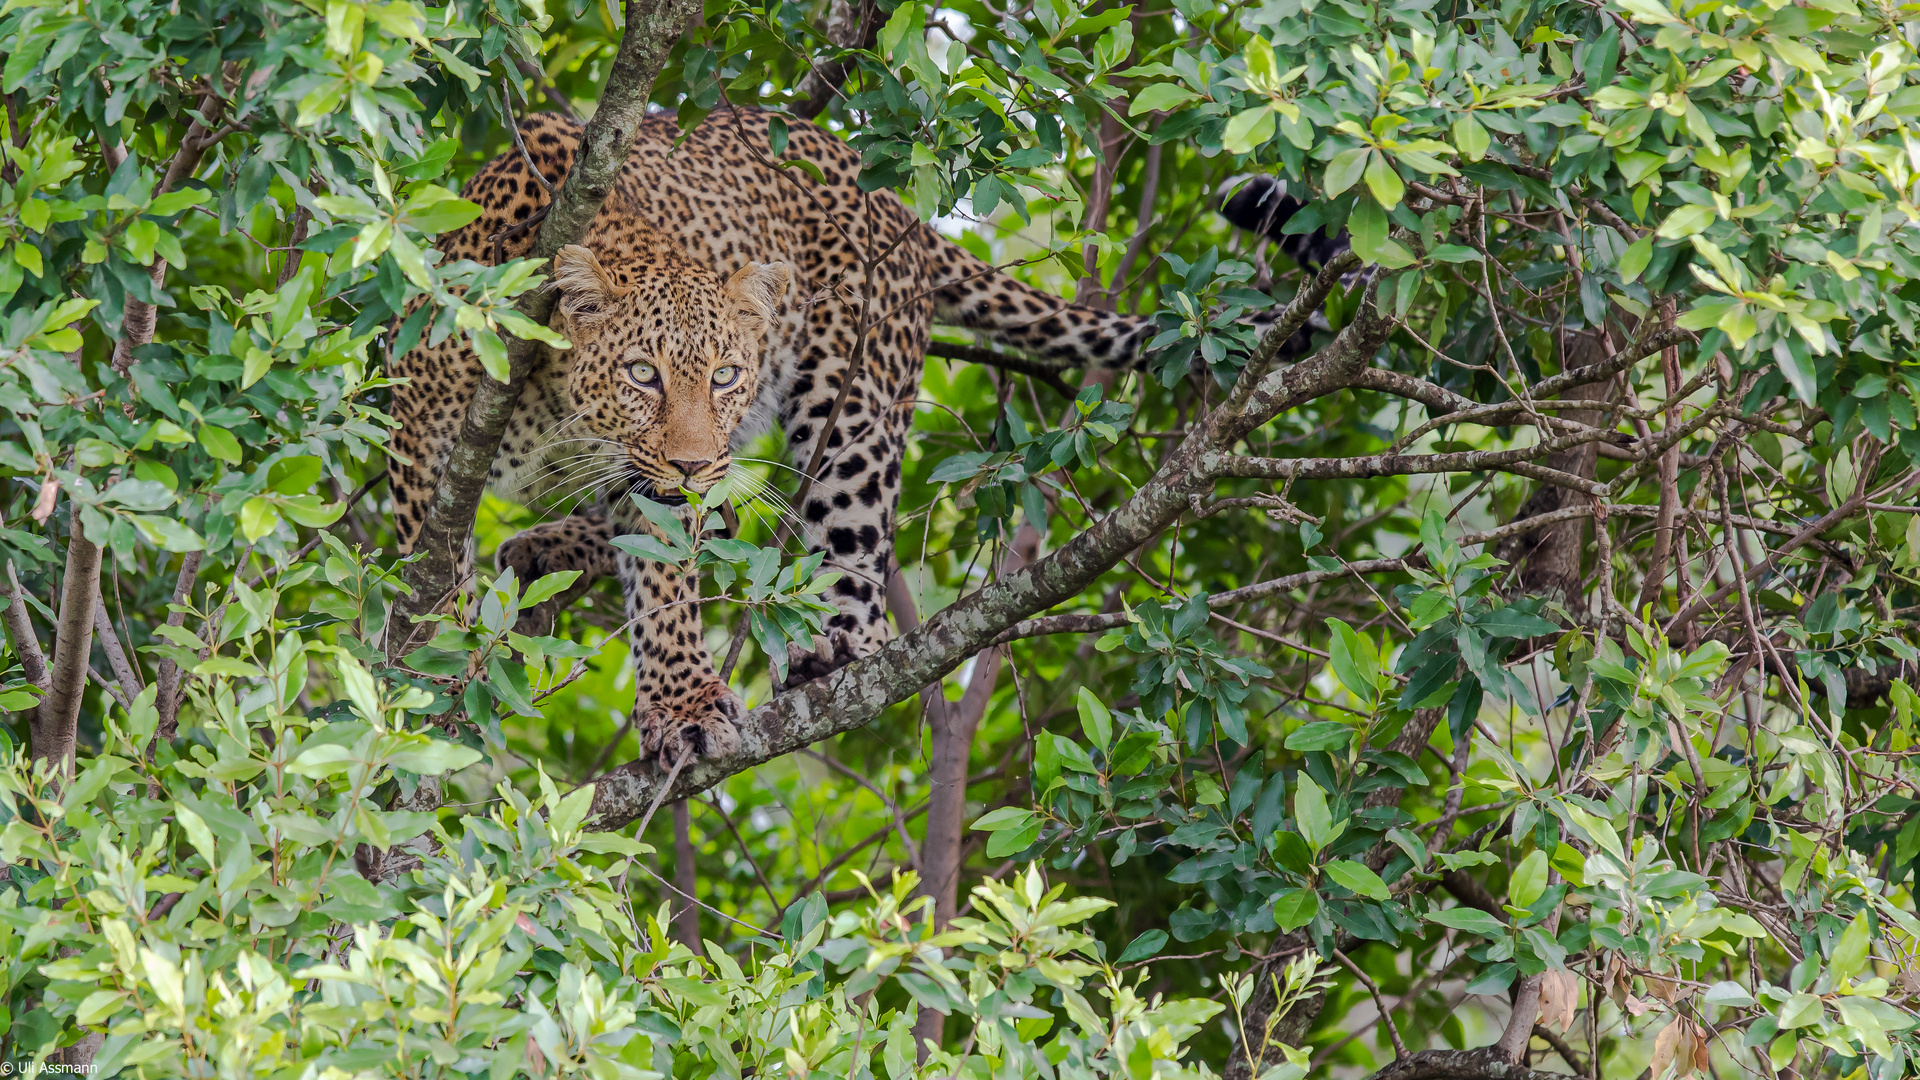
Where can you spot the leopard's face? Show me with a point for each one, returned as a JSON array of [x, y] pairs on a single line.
[[665, 365]]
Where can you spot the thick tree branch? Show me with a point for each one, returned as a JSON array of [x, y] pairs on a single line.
[[167, 697], [56, 722], [1485, 1063], [26, 644], [123, 672], [652, 28], [1019, 365], [138, 318], [1612, 365], [1354, 468], [851, 24]]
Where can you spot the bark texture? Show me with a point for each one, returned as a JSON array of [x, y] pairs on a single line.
[[851, 24], [56, 721], [686, 913]]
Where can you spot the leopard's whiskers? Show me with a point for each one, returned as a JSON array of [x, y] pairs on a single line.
[[570, 474]]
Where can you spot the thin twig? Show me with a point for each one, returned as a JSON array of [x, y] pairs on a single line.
[[1380, 1003]]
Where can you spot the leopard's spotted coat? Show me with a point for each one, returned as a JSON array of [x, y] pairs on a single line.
[[686, 269]]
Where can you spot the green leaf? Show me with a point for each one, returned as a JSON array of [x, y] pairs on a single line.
[[1799, 1011], [1368, 228], [1727, 993], [1472, 920], [1345, 168], [258, 517], [1007, 817], [1508, 623], [433, 209], [1384, 180], [1295, 908], [1249, 130], [1357, 879], [694, 990], [295, 475], [642, 546], [1470, 137], [548, 585], [1850, 952], [1634, 260], [1354, 660], [220, 443], [1162, 97], [1529, 880], [1095, 720], [1310, 811], [1143, 947], [1686, 221], [429, 756], [1320, 735]]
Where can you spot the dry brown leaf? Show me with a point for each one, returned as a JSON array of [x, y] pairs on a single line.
[[1910, 981], [1618, 980], [1665, 1045], [1665, 989], [1559, 999], [1701, 1058], [1637, 1006], [43, 507], [535, 1059]]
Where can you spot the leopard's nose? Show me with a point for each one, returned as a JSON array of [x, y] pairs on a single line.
[[689, 469]]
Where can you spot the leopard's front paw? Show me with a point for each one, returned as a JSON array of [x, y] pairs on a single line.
[[571, 543], [704, 722], [832, 650]]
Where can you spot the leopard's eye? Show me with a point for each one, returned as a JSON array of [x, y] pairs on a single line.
[[725, 377], [643, 373]]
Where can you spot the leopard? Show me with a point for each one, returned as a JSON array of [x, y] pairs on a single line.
[[738, 276]]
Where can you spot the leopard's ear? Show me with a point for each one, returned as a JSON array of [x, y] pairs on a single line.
[[587, 294], [757, 289]]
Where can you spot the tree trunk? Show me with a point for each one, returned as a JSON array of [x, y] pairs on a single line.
[[952, 730], [1106, 166], [1552, 558], [686, 912]]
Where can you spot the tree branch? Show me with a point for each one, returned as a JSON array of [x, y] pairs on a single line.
[[1379, 1003], [56, 722], [123, 672], [1484, 1063], [850, 24], [26, 643], [138, 318], [167, 698], [652, 28], [1390, 464], [1019, 365]]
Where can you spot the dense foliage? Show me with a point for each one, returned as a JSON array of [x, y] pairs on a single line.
[[1552, 663]]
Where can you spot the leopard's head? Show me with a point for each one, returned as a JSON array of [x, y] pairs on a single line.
[[665, 364]]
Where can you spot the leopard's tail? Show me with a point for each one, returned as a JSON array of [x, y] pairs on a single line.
[[1047, 329]]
